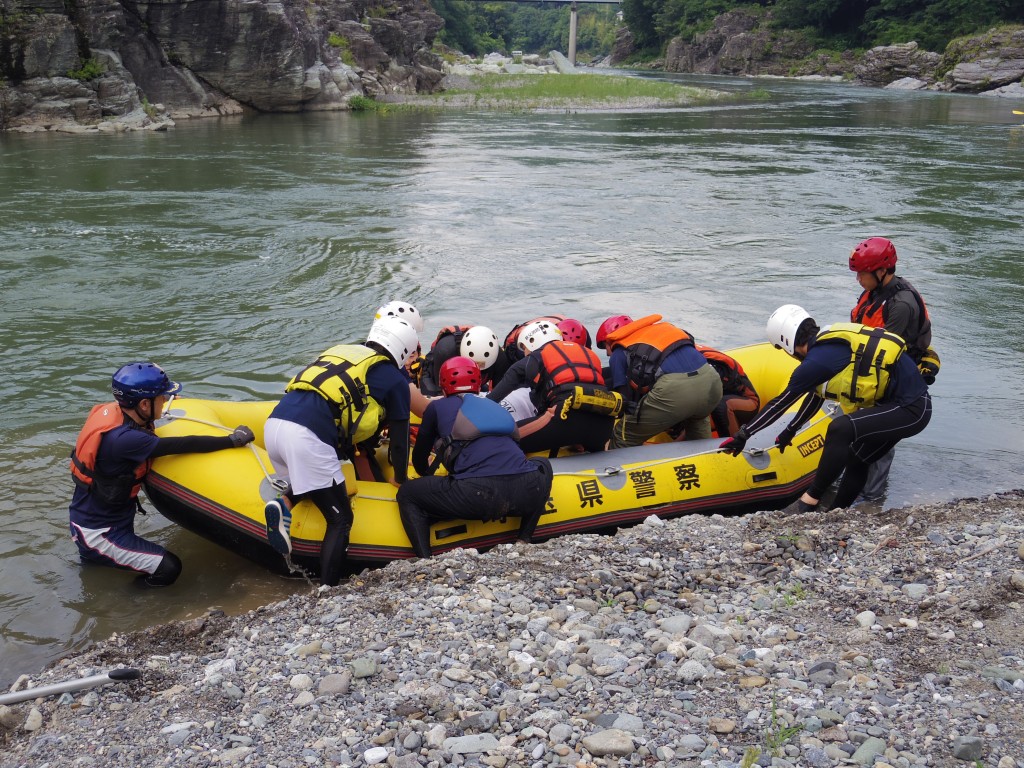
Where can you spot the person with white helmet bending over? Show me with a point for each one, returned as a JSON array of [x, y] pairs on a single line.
[[868, 372], [477, 342], [568, 389], [344, 398]]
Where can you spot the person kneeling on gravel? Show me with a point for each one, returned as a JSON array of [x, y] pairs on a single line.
[[489, 476]]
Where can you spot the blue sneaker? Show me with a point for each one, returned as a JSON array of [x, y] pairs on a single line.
[[279, 520]]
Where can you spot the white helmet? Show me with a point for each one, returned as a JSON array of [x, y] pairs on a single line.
[[783, 325], [535, 335], [403, 311], [396, 337], [480, 344]]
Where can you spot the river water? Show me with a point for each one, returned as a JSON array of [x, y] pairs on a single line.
[[232, 251]]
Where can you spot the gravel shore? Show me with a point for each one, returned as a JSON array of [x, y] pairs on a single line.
[[856, 637]]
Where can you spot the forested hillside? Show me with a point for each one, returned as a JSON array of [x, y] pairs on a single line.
[[835, 24], [477, 28]]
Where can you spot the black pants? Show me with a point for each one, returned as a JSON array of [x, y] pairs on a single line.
[[858, 439], [426, 500], [334, 505], [548, 431]]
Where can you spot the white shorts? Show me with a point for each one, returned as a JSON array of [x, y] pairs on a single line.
[[300, 457]]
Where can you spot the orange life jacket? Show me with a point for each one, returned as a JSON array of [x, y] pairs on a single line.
[[102, 419], [871, 310], [734, 379], [563, 366], [647, 342]]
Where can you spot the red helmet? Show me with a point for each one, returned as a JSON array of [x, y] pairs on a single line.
[[459, 374], [573, 331], [874, 253], [610, 325]]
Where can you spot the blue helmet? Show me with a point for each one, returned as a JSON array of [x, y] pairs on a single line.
[[141, 381]]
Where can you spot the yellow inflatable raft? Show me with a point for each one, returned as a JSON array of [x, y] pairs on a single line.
[[221, 495]]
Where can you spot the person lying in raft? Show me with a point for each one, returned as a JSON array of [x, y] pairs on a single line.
[[343, 399], [112, 455], [489, 476], [869, 373], [567, 386]]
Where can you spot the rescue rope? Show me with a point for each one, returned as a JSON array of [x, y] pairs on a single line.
[[255, 451]]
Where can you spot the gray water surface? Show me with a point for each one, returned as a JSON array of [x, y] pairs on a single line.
[[232, 251]]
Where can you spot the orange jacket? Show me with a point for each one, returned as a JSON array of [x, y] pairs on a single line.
[[563, 366], [102, 419]]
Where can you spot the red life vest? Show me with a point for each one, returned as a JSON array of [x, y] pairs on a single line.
[[734, 379], [563, 366], [102, 419]]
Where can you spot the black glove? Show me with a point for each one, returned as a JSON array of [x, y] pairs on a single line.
[[241, 436], [734, 445], [785, 439]]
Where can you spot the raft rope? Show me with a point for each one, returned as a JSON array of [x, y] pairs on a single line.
[[276, 482]]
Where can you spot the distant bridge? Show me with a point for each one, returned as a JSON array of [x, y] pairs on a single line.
[[572, 15]]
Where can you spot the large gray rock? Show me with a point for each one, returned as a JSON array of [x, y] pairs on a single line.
[[889, 63], [211, 57], [983, 62]]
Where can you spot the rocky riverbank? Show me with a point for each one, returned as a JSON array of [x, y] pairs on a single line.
[[851, 638], [745, 42]]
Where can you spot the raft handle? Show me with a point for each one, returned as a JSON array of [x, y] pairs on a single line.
[[444, 533]]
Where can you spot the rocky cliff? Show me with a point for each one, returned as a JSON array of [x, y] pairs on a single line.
[[126, 64], [744, 42]]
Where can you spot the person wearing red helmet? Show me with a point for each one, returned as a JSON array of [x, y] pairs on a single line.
[[477, 342], [666, 382], [574, 332], [890, 302], [489, 477]]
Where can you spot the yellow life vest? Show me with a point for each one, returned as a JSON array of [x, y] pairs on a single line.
[[873, 355], [339, 376]]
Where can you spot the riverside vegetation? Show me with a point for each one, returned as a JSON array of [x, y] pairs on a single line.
[[555, 92], [856, 637]]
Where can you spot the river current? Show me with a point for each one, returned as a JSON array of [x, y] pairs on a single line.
[[233, 251]]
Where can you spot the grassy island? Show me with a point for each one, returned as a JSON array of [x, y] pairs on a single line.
[[557, 92]]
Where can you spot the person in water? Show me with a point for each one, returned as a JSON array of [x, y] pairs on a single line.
[[890, 302], [665, 382], [343, 399], [868, 371], [114, 451], [489, 476]]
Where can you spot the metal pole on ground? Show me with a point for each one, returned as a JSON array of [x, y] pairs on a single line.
[[572, 33]]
